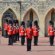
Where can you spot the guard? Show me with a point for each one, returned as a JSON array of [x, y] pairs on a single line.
[[51, 33], [22, 32], [29, 36], [35, 33], [17, 30], [10, 35]]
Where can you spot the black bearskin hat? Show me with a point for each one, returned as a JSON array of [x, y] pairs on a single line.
[[6, 20], [16, 21], [51, 22], [29, 23], [10, 22], [22, 23], [35, 22]]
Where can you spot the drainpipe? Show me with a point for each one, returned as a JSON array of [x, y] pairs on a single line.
[[20, 11]]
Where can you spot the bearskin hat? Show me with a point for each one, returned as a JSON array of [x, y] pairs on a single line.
[[36, 22], [6, 20], [22, 23], [51, 22], [10, 22], [29, 23]]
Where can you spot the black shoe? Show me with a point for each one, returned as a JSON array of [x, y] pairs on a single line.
[[29, 50], [10, 44], [51, 45], [35, 44], [22, 44]]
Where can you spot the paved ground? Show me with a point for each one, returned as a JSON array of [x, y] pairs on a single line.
[[17, 49]]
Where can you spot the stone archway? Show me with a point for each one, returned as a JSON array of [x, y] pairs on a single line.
[[30, 15], [50, 16], [10, 15]]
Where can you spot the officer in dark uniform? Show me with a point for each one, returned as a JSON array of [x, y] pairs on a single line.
[[10, 35], [51, 32], [17, 30], [22, 32], [29, 35], [35, 32]]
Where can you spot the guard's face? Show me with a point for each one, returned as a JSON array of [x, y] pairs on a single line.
[[34, 25], [10, 24], [22, 26], [51, 25], [13, 24]]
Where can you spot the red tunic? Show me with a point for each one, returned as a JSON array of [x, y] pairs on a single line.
[[35, 31], [21, 31], [9, 30], [29, 33], [50, 31]]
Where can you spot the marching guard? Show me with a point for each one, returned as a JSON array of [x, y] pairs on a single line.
[[22, 32], [10, 34], [51, 33], [35, 33], [29, 35], [17, 30]]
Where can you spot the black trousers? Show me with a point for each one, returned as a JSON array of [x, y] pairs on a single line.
[[17, 37], [35, 40], [22, 40], [14, 38], [28, 44], [6, 34], [10, 40], [51, 38]]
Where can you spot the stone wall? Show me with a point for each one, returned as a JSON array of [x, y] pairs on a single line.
[[20, 8], [12, 5]]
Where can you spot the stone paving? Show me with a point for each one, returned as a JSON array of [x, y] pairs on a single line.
[[43, 48]]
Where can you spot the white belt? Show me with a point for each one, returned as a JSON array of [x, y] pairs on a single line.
[[22, 31], [51, 31], [35, 31]]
